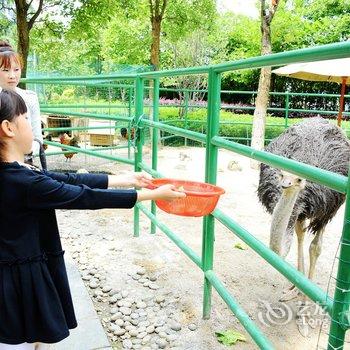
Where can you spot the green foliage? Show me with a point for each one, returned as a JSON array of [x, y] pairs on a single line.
[[230, 337], [7, 28], [185, 16], [126, 39], [57, 54], [297, 24], [96, 35], [102, 33], [240, 246]]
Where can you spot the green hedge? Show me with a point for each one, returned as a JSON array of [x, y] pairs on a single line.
[[237, 128], [234, 126]]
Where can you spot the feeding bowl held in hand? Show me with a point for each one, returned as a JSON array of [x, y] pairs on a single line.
[[201, 198]]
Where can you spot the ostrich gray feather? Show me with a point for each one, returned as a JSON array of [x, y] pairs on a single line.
[[315, 142]]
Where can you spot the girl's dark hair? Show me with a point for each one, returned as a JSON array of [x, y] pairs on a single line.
[[8, 55], [11, 106]]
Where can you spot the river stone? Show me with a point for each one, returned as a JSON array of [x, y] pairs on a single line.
[[150, 329], [171, 337], [175, 326], [125, 311], [153, 286], [113, 299], [124, 293], [141, 271], [113, 310], [141, 335], [127, 343], [106, 289], [146, 339], [133, 332], [160, 299], [162, 343], [135, 322], [93, 284], [127, 303], [145, 323], [192, 327], [86, 277], [141, 305], [119, 322], [119, 331]]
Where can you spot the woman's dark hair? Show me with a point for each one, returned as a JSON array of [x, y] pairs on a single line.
[[8, 55], [11, 106]]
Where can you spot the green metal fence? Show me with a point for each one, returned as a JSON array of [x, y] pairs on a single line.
[[183, 117], [338, 307]]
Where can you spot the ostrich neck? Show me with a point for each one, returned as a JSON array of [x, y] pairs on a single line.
[[280, 219]]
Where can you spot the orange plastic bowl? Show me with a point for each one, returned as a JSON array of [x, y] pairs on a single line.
[[201, 198]]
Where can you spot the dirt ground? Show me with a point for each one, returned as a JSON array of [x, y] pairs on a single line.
[[253, 283]]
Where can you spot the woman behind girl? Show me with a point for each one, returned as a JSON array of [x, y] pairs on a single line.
[[35, 300], [10, 74]]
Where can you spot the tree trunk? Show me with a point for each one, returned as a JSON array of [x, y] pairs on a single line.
[[262, 99], [23, 33], [24, 25], [155, 47]]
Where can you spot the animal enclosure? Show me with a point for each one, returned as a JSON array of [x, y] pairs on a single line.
[[338, 307]]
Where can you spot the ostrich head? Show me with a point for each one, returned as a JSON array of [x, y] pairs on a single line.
[[284, 214], [291, 183]]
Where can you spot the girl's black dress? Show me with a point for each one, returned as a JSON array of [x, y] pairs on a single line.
[[35, 300]]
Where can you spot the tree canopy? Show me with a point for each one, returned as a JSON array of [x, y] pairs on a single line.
[[100, 35]]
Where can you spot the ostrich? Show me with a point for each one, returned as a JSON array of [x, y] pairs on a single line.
[[297, 204]]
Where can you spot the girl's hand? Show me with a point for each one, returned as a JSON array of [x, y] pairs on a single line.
[[165, 192], [140, 179], [129, 179], [168, 193]]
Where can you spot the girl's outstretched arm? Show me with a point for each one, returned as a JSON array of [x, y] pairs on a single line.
[[129, 179], [44, 192]]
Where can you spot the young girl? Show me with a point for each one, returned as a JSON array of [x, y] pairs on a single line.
[[10, 74], [35, 300]]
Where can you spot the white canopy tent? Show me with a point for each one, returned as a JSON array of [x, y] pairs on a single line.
[[337, 71]]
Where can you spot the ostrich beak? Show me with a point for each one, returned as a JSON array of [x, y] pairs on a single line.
[[286, 183]]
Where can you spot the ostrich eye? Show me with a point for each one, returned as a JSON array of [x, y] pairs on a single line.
[[299, 180]]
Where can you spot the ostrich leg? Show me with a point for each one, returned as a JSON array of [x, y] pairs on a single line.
[[314, 252], [293, 292]]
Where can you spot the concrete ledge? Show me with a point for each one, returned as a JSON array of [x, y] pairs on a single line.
[[89, 335]]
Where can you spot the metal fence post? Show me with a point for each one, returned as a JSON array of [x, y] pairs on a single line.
[[286, 115], [129, 114], [155, 141], [186, 112], [214, 85], [340, 322], [138, 139]]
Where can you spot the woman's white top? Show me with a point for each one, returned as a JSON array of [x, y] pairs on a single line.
[[32, 102]]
